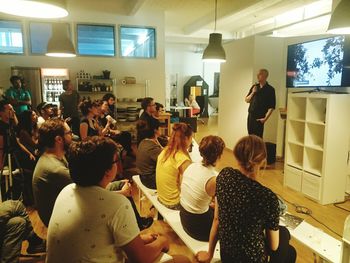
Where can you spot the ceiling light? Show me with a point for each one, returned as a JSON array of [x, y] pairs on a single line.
[[37, 8], [214, 52], [60, 45], [340, 19]]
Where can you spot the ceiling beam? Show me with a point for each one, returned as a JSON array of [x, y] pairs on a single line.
[[223, 13], [133, 6]]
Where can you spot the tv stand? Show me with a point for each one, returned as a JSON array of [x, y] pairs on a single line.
[[319, 90]]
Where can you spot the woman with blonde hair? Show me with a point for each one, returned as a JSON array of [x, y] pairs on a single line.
[[171, 164], [246, 213]]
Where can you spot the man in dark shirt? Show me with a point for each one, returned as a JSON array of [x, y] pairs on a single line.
[[69, 101], [149, 109], [262, 101], [7, 115]]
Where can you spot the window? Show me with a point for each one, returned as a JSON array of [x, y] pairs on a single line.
[[96, 40], [40, 34], [138, 42], [11, 37]]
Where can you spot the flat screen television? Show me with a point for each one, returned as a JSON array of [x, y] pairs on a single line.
[[319, 63]]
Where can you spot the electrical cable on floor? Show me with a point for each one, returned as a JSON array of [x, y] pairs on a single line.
[[342, 208], [306, 211]]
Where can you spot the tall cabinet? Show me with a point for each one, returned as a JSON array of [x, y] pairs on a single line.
[[317, 150]]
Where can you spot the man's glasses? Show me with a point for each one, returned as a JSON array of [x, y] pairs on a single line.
[[68, 132]]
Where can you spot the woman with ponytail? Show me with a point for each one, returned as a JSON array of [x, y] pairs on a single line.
[[171, 163], [246, 216]]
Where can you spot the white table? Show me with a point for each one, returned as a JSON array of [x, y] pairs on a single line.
[[182, 108]]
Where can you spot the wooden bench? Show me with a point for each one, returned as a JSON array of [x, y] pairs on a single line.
[[172, 217]]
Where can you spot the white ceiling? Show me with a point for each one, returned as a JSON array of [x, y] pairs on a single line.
[[194, 19]]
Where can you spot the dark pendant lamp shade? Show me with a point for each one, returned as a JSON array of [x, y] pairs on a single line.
[[214, 52], [340, 19], [60, 45]]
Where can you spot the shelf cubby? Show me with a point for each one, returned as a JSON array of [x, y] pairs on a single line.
[[298, 104], [296, 132], [314, 136], [316, 110], [295, 155], [313, 161]]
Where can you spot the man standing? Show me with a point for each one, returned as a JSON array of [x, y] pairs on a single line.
[[262, 101], [18, 97], [69, 101]]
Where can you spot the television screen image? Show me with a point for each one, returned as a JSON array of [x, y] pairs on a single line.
[[318, 63]]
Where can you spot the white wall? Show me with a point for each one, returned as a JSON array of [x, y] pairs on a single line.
[[143, 69], [235, 80], [244, 59], [183, 61]]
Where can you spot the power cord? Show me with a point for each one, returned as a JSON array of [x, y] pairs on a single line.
[[340, 203], [306, 211]]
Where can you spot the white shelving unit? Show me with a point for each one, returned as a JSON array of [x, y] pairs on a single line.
[[317, 149]]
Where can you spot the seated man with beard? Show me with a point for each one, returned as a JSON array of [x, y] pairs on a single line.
[[51, 173]]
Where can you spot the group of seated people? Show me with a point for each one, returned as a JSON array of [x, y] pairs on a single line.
[[91, 216]]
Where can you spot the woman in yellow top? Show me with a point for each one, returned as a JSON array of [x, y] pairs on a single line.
[[171, 163]]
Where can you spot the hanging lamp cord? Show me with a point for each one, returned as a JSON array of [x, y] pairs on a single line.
[[216, 11]]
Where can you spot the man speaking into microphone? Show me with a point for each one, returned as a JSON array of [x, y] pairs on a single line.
[[262, 100]]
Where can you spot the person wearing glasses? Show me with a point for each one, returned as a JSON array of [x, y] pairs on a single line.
[[149, 109], [92, 224], [51, 173]]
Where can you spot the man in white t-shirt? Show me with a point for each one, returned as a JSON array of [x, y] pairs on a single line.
[[92, 224]]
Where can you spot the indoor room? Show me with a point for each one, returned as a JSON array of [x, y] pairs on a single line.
[[156, 96]]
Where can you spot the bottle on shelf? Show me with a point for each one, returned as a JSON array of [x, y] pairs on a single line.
[[49, 97]]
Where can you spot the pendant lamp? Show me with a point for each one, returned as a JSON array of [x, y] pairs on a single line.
[[34, 8], [214, 52], [340, 19], [60, 45]]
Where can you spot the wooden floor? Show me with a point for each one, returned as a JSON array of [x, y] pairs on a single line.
[[272, 177]]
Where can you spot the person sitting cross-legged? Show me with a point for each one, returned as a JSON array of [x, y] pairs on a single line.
[[92, 224]]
